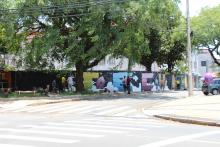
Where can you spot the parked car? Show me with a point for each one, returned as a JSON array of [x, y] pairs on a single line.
[[213, 87]]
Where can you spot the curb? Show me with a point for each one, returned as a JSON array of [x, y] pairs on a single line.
[[49, 102], [189, 120]]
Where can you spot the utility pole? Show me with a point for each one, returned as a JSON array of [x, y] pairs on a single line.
[[189, 52]]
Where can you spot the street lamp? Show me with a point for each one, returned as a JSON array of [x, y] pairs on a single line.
[[190, 85]]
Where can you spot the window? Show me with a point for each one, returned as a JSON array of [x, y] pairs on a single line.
[[203, 63]]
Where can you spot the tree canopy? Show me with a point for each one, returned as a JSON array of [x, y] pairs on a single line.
[[82, 33], [206, 28]]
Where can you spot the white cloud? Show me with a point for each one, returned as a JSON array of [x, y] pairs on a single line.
[[197, 5]]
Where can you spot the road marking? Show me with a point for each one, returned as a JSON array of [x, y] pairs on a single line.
[[9, 109], [179, 139], [98, 109], [95, 126], [33, 108], [205, 141], [49, 108], [41, 139], [125, 112], [80, 109], [112, 110], [108, 123], [75, 129], [63, 108], [126, 121], [20, 109], [52, 133], [13, 145]]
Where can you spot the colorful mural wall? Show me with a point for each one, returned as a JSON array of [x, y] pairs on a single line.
[[94, 81], [113, 81]]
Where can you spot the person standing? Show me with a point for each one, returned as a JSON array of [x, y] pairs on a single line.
[[63, 83], [54, 86], [129, 85], [70, 83], [124, 83], [162, 84]]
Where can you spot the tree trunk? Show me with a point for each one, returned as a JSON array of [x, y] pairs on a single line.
[[170, 67], [148, 66], [79, 77], [213, 57]]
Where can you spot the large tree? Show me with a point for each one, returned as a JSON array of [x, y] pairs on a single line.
[[79, 33], [9, 43], [163, 17], [206, 29], [145, 25]]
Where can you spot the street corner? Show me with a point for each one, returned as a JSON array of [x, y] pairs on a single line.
[[153, 112], [189, 120]]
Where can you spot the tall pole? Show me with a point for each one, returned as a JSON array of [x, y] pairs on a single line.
[[190, 84]]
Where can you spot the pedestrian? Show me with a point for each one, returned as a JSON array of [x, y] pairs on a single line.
[[63, 83], [70, 82], [162, 84], [157, 84], [124, 83], [54, 86], [129, 84], [178, 84]]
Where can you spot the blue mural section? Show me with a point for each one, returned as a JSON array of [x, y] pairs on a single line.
[[117, 80], [135, 81]]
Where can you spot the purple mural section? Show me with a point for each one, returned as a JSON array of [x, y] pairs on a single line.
[[104, 82], [147, 81]]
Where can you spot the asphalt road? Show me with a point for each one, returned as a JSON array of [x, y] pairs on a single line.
[[99, 123]]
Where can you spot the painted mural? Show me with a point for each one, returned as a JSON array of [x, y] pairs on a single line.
[[113, 82], [117, 80], [147, 81], [135, 81], [104, 81], [88, 79]]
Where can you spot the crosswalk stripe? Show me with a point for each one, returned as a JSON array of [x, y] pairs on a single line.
[[97, 109], [9, 109], [20, 109], [95, 126], [40, 107], [52, 133], [63, 108], [125, 112], [109, 123], [112, 110], [48, 107], [13, 145], [41, 139], [79, 109], [75, 129], [125, 120]]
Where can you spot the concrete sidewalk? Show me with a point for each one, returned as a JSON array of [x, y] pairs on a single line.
[[203, 110]]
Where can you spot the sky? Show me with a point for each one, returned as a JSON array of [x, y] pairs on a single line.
[[196, 5]]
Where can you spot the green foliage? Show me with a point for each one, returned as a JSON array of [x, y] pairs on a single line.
[[82, 33], [206, 29]]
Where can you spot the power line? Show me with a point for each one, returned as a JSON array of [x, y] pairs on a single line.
[[61, 8]]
